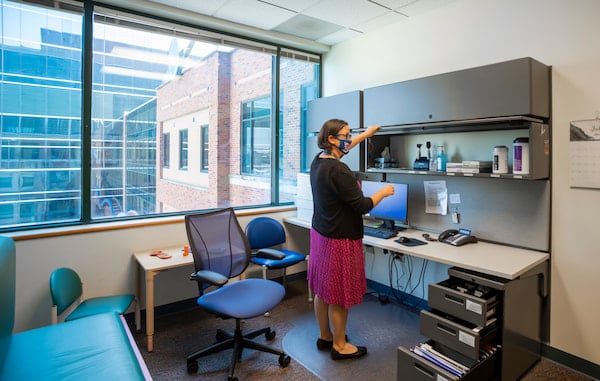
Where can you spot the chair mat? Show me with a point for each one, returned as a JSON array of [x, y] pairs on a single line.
[[379, 327]]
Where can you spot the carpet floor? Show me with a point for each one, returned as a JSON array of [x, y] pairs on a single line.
[[380, 327]]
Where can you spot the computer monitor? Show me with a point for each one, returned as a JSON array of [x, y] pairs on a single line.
[[392, 210]]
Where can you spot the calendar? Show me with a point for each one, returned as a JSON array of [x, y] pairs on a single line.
[[585, 153]]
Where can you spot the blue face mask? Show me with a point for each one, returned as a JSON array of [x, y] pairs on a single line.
[[344, 145]]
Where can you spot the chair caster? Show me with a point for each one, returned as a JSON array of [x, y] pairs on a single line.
[[221, 335], [232, 379], [270, 335], [267, 314], [284, 360], [192, 366]]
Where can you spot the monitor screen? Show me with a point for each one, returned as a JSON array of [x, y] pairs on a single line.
[[392, 208]]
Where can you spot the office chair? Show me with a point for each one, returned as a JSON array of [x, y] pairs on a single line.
[[264, 233], [221, 252], [69, 303]]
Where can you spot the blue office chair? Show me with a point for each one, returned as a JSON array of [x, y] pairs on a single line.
[[263, 234], [69, 303], [221, 252]]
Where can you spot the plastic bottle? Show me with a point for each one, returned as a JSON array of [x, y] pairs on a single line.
[[442, 159]]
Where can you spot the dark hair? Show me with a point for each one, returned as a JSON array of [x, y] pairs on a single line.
[[331, 127]]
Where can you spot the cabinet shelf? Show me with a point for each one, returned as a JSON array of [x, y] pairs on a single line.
[[408, 171]]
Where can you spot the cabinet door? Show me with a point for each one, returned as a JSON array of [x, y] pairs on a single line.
[[517, 87], [346, 106]]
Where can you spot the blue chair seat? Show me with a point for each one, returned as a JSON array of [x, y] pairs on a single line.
[[243, 300], [291, 258], [93, 306]]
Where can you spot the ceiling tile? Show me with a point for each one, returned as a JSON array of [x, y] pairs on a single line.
[[307, 27], [378, 22], [340, 36], [292, 5], [345, 12], [393, 4], [203, 7], [253, 13], [422, 6]]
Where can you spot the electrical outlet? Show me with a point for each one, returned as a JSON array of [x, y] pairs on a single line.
[[456, 217]]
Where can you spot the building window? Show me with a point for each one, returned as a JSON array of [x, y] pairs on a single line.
[[147, 76], [256, 137], [166, 150], [204, 148], [183, 150]]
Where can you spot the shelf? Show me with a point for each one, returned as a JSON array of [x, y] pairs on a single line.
[[408, 171]]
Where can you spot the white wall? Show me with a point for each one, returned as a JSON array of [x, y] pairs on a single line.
[[469, 33], [105, 263]]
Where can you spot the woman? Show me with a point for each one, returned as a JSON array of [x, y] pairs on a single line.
[[336, 270]]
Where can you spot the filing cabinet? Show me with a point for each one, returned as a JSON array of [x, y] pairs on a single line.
[[491, 326]]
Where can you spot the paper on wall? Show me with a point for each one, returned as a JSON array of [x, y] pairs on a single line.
[[436, 197]]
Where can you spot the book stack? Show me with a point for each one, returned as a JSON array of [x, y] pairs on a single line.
[[470, 166]]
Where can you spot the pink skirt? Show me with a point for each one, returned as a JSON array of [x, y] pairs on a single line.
[[336, 269]]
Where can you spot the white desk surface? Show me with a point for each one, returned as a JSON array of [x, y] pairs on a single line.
[[498, 260], [153, 263]]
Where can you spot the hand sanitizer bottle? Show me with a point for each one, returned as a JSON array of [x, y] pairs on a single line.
[[442, 159]]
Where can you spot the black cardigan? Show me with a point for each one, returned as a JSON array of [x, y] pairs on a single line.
[[338, 200]]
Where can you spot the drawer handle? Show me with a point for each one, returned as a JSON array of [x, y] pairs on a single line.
[[421, 369], [454, 299], [445, 328]]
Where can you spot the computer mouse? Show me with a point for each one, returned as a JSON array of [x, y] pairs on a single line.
[[403, 239]]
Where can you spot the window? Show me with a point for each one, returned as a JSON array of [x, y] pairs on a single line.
[[166, 150], [204, 144], [149, 80], [256, 137], [183, 149]]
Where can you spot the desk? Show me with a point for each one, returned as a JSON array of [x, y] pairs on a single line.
[[516, 272], [151, 266], [498, 260]]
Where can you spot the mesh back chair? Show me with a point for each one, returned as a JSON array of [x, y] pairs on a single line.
[[263, 234], [221, 252], [69, 303]]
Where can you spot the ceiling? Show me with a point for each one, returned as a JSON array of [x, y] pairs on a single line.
[[327, 22]]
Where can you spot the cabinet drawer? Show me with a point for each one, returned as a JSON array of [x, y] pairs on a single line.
[[413, 367], [467, 301], [460, 336]]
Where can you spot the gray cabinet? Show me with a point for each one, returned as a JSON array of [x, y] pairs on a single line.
[[345, 106], [516, 87]]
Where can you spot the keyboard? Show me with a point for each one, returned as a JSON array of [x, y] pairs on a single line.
[[379, 232]]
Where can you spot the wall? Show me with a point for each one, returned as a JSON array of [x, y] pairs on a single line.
[[105, 263], [469, 33]]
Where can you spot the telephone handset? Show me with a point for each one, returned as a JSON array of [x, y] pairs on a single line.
[[457, 237]]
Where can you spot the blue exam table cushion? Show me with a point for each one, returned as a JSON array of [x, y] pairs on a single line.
[[94, 348]]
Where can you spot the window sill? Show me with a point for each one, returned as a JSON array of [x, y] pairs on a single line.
[[128, 224]]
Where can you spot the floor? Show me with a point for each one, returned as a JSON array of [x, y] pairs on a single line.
[[181, 333]]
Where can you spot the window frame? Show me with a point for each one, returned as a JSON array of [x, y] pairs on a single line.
[[89, 9], [184, 149]]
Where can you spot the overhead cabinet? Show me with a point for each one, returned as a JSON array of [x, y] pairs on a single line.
[[345, 106], [517, 87]]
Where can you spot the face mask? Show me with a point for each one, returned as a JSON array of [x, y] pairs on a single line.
[[344, 146]]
